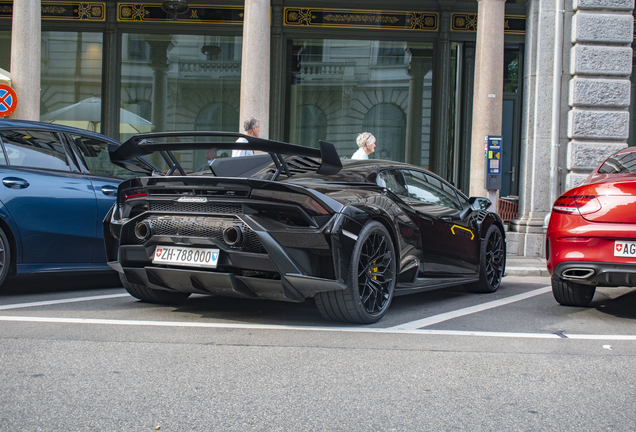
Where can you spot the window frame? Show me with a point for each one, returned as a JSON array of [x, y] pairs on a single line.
[[70, 159], [427, 175]]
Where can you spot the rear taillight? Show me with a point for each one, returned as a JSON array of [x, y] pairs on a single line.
[[581, 204], [134, 193], [303, 200]]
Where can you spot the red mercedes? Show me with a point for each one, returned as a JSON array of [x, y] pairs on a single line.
[[591, 238]]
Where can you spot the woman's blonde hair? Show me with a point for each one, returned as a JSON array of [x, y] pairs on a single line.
[[363, 139]]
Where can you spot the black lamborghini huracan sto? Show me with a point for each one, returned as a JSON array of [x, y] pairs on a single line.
[[294, 224]]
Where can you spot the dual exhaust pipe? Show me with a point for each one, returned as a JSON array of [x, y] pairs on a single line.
[[232, 235]]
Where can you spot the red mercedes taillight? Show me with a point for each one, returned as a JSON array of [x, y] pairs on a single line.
[[582, 204]]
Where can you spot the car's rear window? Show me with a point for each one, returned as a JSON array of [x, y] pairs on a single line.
[[622, 163]]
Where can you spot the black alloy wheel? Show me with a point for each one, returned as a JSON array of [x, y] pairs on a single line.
[[371, 280], [492, 262], [375, 274]]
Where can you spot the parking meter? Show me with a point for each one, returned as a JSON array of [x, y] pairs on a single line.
[[492, 179]]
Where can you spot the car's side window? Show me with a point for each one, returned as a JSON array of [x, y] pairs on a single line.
[[35, 149], [393, 180], [430, 190], [94, 153], [3, 159]]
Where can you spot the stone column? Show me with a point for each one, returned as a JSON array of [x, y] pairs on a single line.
[[598, 123], [488, 99], [527, 232], [255, 66], [26, 58]]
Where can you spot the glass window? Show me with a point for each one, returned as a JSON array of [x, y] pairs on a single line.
[[312, 125], [35, 149], [624, 163], [217, 117], [429, 190], [511, 69], [71, 79], [390, 123], [394, 181], [5, 50], [180, 83], [340, 88], [95, 155]]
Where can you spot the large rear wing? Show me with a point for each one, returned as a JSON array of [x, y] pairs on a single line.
[[144, 144]]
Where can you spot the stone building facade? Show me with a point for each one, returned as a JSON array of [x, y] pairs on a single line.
[[594, 113]]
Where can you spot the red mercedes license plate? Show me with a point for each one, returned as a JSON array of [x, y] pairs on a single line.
[[625, 248]]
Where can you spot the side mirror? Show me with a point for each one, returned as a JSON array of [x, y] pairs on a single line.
[[479, 203]]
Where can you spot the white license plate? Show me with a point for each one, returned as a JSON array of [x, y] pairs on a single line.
[[186, 256], [625, 248]]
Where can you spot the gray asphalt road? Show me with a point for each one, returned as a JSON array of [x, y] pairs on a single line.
[[96, 360]]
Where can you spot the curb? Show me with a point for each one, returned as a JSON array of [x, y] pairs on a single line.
[[526, 271]]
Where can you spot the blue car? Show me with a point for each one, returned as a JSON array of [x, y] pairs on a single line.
[[57, 185]]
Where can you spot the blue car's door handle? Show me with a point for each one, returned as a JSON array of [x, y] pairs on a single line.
[[15, 183], [109, 190]]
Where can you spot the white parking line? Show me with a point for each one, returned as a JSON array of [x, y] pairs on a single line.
[[413, 328], [425, 322], [323, 329], [53, 302]]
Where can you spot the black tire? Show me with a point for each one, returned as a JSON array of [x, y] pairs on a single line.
[[370, 282], [492, 262], [5, 256], [150, 295], [570, 293]]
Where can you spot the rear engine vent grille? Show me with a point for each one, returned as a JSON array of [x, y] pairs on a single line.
[[302, 164], [296, 165], [177, 207], [205, 227]]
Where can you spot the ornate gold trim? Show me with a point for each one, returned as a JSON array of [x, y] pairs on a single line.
[[71, 11], [467, 22], [199, 14], [358, 18]]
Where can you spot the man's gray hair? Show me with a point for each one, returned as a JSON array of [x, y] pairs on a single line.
[[250, 123]]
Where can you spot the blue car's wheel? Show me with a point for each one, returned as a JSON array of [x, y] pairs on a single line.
[[5, 256]]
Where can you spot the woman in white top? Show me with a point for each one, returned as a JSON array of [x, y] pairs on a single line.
[[366, 142]]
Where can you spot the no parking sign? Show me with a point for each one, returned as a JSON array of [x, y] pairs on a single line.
[[8, 100]]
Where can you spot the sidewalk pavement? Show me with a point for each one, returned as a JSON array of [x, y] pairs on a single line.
[[525, 266]]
